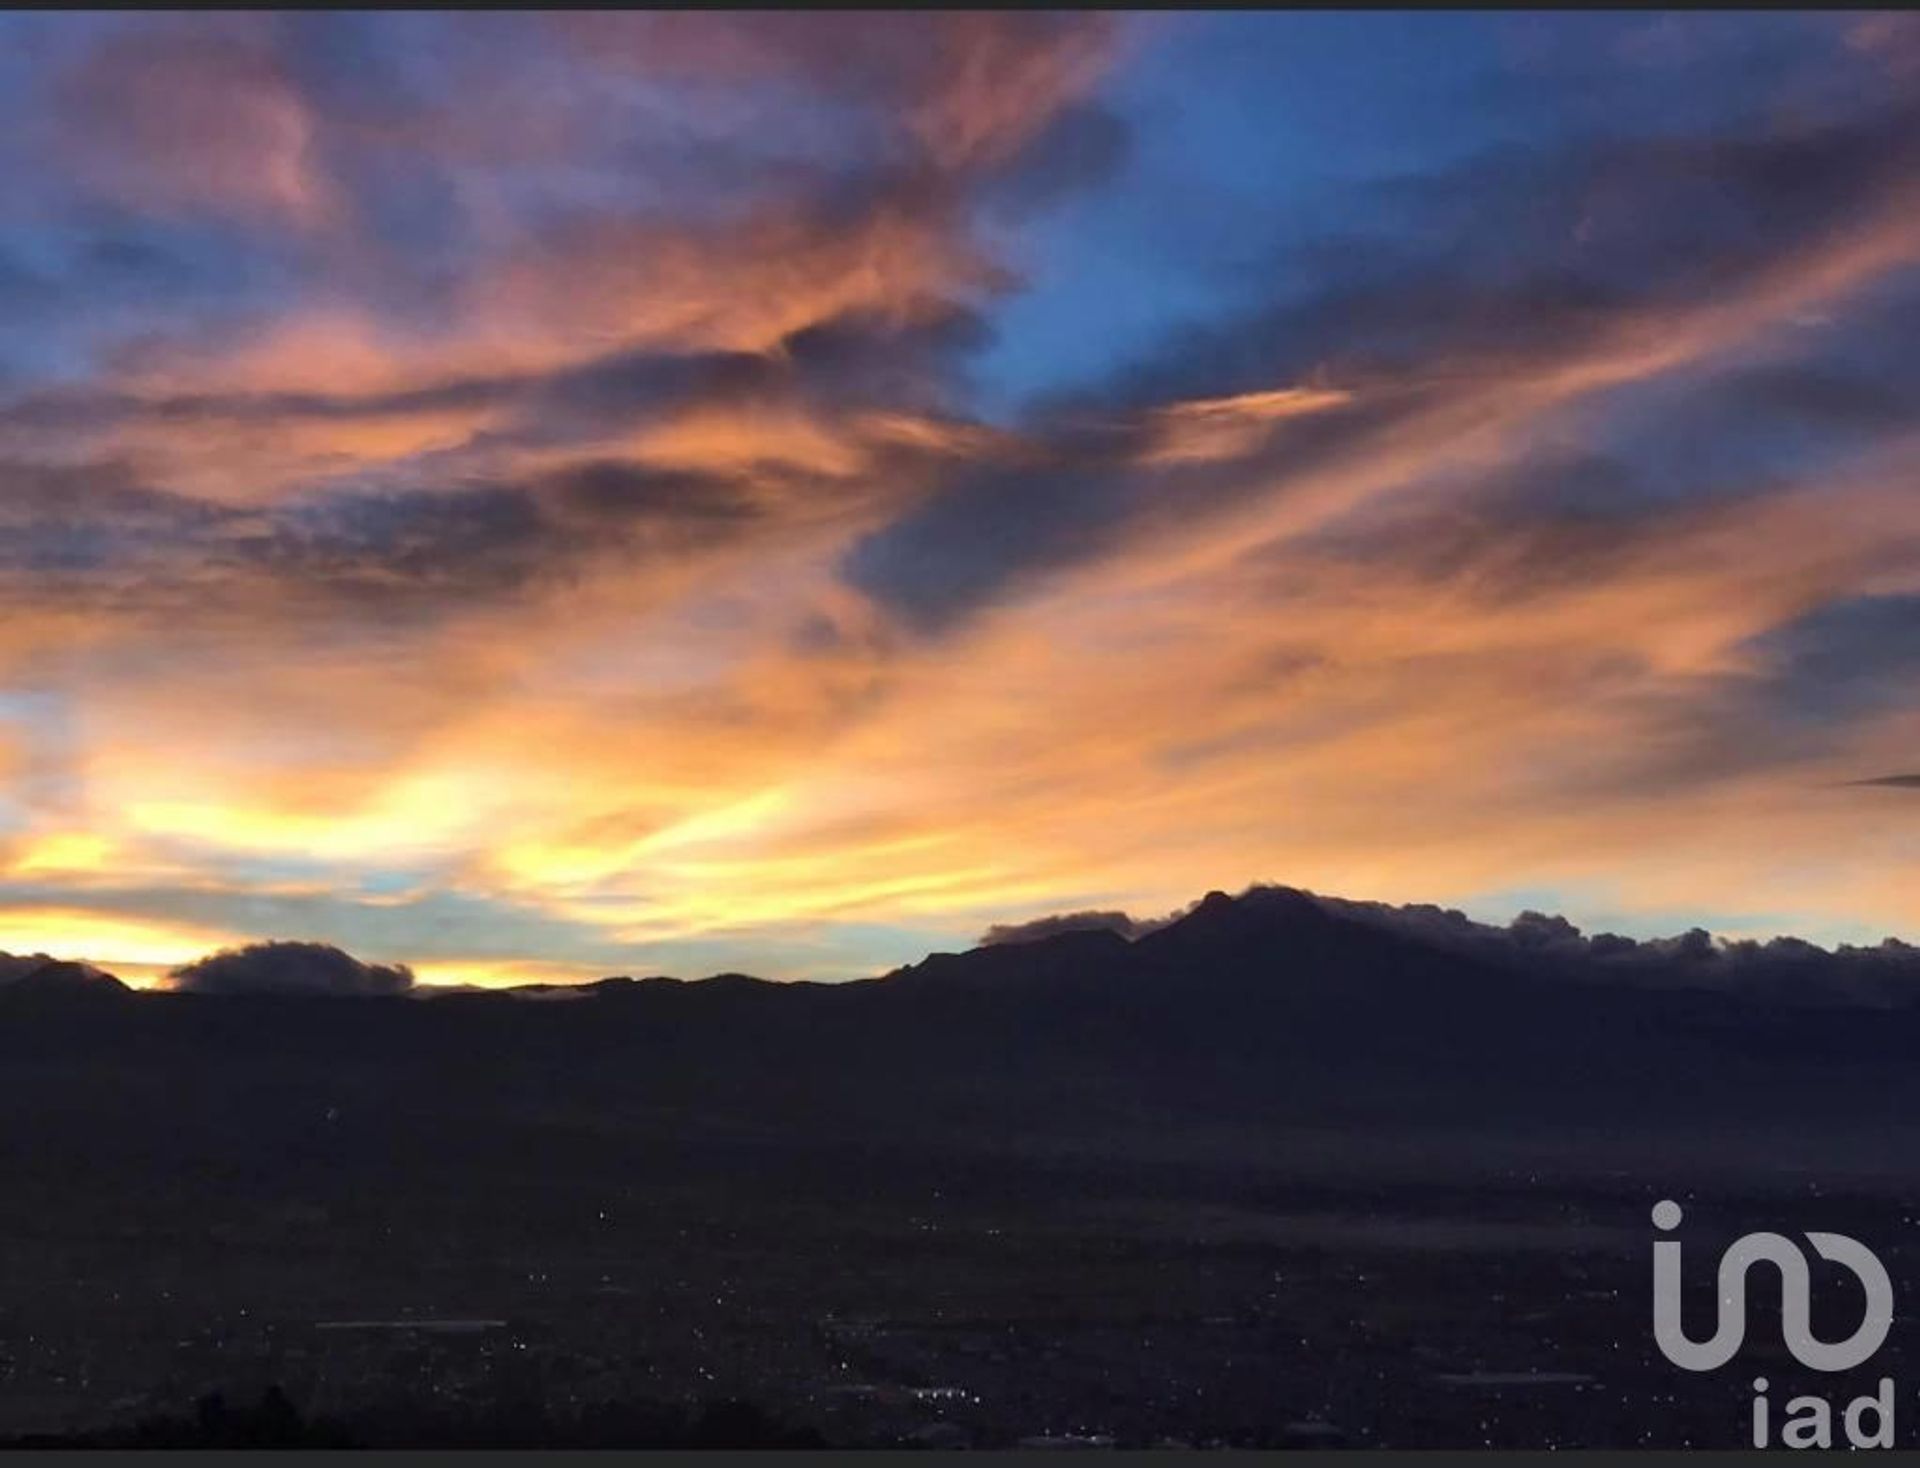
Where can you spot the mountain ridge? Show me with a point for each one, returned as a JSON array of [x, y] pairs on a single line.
[[1264, 1018], [1222, 931]]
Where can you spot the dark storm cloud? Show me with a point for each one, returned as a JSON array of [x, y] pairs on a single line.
[[1892, 782], [317, 969]]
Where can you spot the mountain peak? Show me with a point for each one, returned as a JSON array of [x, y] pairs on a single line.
[[1257, 911]]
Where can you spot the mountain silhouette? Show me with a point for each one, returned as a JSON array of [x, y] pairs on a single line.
[[38, 978], [1254, 1015]]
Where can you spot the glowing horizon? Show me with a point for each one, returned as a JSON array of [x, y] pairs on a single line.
[[542, 497]]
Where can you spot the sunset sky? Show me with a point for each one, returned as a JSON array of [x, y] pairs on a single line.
[[538, 497]]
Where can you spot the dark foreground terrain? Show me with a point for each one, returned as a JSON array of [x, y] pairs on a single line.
[[1269, 1176]]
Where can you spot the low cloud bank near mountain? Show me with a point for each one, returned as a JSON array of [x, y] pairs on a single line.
[[291, 968], [18, 966], [1780, 968], [1785, 968], [1055, 924], [1538, 945], [1092, 920], [39, 973]]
